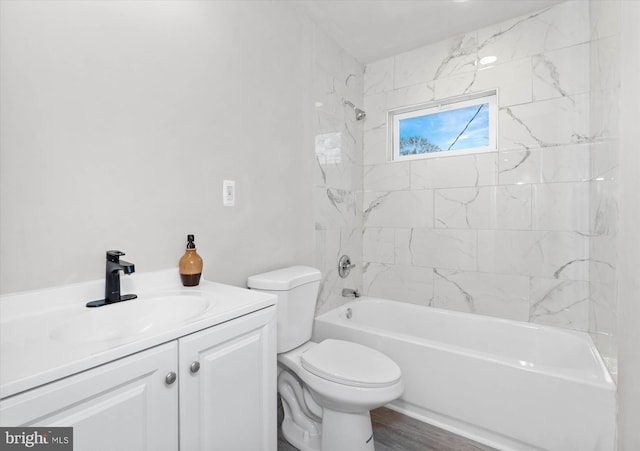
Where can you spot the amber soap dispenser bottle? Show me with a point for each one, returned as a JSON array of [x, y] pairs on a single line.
[[190, 265]]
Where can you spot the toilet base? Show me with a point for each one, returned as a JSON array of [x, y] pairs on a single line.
[[346, 431], [298, 437], [340, 432]]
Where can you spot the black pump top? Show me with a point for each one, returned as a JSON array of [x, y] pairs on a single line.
[[190, 244]]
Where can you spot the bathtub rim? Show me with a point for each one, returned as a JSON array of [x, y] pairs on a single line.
[[604, 379]]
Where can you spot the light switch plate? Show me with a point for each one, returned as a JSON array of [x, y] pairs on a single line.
[[228, 193]]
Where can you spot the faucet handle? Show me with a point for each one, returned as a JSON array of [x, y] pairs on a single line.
[[345, 266], [114, 256]]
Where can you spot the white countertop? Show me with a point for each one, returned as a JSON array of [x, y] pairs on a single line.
[[31, 354]]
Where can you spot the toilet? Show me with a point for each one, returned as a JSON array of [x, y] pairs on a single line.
[[327, 388]]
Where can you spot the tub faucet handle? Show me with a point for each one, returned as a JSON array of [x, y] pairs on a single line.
[[350, 293], [345, 266]]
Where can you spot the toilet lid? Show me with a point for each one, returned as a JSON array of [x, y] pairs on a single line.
[[350, 363]]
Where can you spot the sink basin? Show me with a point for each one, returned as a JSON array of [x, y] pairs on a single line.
[[130, 318]]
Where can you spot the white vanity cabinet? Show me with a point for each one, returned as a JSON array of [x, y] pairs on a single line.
[[122, 405], [213, 389], [228, 386]]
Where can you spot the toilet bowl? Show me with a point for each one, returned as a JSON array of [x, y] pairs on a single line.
[[327, 391], [327, 388]]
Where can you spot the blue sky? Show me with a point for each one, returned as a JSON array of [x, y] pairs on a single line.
[[443, 128]]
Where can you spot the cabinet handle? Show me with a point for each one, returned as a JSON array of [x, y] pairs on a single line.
[[170, 378], [195, 367]]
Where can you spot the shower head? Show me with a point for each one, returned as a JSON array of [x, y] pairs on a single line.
[[359, 113]]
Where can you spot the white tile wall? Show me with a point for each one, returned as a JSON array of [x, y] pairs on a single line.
[[339, 165], [489, 207], [605, 69], [467, 170], [547, 123], [482, 293], [403, 283], [504, 233], [399, 208], [562, 72]]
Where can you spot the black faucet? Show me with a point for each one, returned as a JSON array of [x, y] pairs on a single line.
[[112, 280]]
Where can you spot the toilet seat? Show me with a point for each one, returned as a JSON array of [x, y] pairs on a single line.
[[336, 394], [350, 364]]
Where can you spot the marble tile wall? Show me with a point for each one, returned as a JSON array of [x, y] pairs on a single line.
[[338, 170], [505, 233], [605, 67]]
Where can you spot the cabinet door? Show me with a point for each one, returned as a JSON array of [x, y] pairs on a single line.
[[123, 405], [229, 404]]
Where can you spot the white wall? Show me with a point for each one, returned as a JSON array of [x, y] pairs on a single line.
[[504, 233], [121, 119], [628, 286]]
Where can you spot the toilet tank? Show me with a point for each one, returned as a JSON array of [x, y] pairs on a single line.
[[297, 290]]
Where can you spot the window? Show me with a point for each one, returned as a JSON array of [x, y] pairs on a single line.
[[452, 126]]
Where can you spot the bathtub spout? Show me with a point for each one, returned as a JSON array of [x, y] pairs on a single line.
[[350, 293]]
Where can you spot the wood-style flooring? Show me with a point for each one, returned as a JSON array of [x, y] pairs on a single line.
[[393, 431]]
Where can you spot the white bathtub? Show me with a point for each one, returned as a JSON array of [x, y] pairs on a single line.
[[507, 384]]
